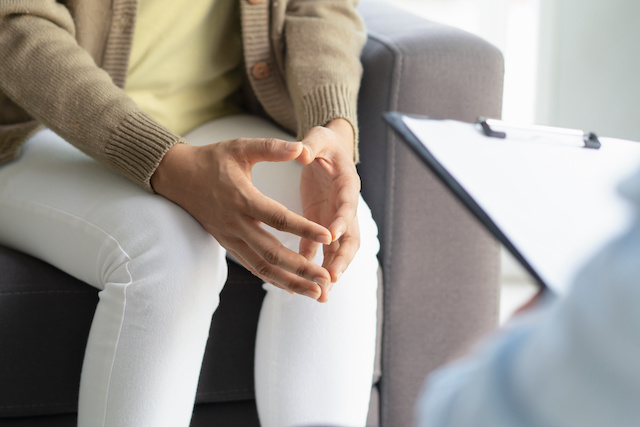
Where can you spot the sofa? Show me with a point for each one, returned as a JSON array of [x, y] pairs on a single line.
[[439, 268]]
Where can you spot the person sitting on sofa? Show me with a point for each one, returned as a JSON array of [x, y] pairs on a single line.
[[156, 92]]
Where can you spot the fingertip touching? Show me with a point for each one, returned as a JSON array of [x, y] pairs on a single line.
[[306, 156], [337, 229]]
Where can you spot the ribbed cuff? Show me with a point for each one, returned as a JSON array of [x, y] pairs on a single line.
[[329, 103], [138, 146]]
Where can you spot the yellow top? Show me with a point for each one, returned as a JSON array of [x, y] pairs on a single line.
[[185, 66]]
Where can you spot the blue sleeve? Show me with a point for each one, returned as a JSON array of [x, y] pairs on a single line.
[[574, 363]]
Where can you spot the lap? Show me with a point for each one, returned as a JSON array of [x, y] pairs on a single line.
[[65, 208]]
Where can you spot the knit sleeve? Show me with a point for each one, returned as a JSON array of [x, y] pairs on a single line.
[[47, 73], [324, 40]]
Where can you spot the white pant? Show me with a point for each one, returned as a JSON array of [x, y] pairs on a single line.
[[160, 274]]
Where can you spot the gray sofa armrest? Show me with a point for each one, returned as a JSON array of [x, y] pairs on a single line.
[[440, 268]]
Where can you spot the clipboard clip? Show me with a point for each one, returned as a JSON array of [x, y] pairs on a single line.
[[589, 139], [488, 131]]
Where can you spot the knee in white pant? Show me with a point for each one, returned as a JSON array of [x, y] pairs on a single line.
[[170, 269], [151, 326]]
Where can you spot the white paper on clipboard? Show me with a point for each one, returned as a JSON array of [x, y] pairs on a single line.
[[553, 199]]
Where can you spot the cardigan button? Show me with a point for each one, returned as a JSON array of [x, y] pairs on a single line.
[[255, 1], [260, 70]]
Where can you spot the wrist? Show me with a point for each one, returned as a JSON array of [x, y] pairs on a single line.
[[165, 172], [345, 129]]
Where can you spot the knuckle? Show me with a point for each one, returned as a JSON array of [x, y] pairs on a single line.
[[278, 220], [302, 269], [235, 147], [271, 255], [229, 242], [237, 153], [270, 144], [241, 141], [263, 269], [295, 287]]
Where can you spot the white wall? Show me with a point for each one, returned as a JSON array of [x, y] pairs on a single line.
[[589, 75], [569, 63]]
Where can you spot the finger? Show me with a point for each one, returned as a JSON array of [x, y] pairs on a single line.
[[346, 213], [337, 260], [278, 276], [254, 150], [339, 254], [329, 253], [308, 249], [279, 217], [312, 146], [320, 139], [346, 199], [248, 266], [273, 253]]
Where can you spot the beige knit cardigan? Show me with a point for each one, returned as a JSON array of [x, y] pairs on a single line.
[[63, 65]]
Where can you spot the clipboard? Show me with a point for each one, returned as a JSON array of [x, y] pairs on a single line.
[[549, 195]]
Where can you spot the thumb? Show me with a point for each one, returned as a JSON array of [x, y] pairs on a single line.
[[312, 145], [256, 150]]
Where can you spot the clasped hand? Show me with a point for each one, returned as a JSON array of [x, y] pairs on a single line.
[[213, 184]]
